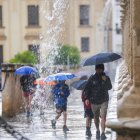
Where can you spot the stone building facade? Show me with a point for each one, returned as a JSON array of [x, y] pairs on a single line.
[[17, 31], [21, 24], [85, 30], [127, 124]]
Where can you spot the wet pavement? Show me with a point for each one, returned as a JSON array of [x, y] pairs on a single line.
[[38, 127]]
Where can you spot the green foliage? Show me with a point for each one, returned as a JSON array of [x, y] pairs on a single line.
[[26, 57], [67, 54]]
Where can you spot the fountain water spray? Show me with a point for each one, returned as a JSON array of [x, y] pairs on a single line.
[[54, 12]]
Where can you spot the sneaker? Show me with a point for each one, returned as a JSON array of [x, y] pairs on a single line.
[[103, 137], [65, 128], [88, 133], [53, 122], [97, 134]]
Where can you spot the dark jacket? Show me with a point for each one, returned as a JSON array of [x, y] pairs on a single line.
[[96, 89], [59, 99], [27, 83]]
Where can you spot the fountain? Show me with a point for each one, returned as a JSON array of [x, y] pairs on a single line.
[[53, 11]]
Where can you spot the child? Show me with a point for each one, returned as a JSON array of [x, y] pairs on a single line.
[[61, 93], [28, 88], [88, 115]]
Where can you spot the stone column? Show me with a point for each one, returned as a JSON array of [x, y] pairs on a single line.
[[127, 124], [11, 92], [130, 106]]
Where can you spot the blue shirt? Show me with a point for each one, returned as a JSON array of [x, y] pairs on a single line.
[[60, 99]]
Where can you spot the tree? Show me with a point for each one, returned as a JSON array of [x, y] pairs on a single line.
[[26, 57], [67, 54]]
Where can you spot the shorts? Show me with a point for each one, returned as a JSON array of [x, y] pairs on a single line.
[[100, 110], [27, 94], [60, 109], [89, 113]]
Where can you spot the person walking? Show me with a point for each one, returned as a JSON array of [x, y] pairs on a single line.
[[28, 89], [61, 92], [97, 93], [88, 114]]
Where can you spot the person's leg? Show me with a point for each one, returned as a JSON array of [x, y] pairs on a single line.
[[65, 117], [26, 100], [89, 116], [103, 114], [96, 112], [65, 128], [103, 121], [58, 114], [88, 122], [88, 126], [27, 106], [29, 101], [97, 122]]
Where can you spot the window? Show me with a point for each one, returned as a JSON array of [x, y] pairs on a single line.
[[1, 54], [85, 44], [84, 14], [33, 15], [35, 50], [0, 16]]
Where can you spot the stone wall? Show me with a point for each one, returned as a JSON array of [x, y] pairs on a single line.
[[127, 125]]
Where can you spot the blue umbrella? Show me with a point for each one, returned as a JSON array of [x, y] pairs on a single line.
[[59, 77], [25, 70], [79, 85], [101, 58]]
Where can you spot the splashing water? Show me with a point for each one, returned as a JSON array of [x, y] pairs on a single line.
[[53, 13]]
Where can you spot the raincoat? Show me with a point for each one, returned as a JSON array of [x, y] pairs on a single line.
[[59, 99], [97, 89]]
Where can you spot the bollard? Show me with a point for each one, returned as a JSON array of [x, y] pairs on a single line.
[[12, 101]]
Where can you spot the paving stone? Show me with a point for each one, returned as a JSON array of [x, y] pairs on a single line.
[[38, 127]]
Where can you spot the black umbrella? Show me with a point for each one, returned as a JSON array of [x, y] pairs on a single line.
[[101, 58], [79, 85]]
